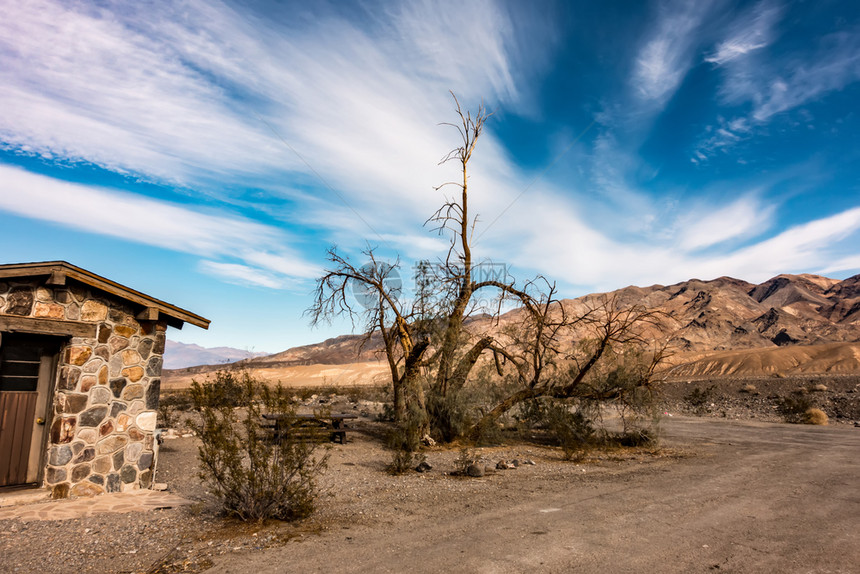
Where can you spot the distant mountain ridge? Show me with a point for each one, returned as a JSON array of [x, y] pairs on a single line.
[[180, 355], [723, 314]]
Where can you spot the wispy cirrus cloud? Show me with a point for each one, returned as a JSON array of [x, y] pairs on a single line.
[[721, 138], [776, 82], [667, 54], [332, 120], [166, 225], [753, 30]]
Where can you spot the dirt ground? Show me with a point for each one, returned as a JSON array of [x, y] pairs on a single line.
[[719, 494], [728, 496]]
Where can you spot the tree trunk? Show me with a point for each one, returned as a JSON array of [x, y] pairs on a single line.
[[500, 409]]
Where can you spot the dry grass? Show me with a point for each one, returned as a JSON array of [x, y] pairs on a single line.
[[815, 417]]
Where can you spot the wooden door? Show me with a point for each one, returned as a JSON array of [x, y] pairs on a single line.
[[27, 364]]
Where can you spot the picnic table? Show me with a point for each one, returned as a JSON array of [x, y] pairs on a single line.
[[310, 426]]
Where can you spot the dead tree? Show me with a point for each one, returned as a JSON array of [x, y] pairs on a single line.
[[543, 368], [455, 275], [384, 311]]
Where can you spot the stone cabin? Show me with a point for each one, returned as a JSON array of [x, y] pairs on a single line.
[[80, 368]]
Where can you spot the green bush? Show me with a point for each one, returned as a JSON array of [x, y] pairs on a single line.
[[794, 406], [701, 399], [254, 475]]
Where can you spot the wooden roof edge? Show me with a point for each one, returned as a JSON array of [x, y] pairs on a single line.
[[59, 270]]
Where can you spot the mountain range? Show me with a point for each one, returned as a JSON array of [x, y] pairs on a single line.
[[790, 323]]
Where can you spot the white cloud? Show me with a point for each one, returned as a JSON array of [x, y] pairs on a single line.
[[241, 274], [786, 80], [741, 219], [139, 219], [722, 138], [752, 31], [666, 55]]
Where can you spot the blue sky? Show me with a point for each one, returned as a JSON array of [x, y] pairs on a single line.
[[208, 153]]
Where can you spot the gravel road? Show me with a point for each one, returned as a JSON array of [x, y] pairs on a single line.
[[719, 495]]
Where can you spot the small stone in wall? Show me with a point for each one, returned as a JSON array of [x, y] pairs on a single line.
[[63, 430], [136, 407], [117, 385], [128, 474], [117, 408], [106, 428], [60, 455], [146, 420], [124, 331], [88, 436], [123, 421], [92, 311], [71, 403], [118, 459], [105, 332], [86, 489], [153, 366], [111, 444], [130, 357], [88, 382], [135, 434], [49, 311], [102, 465], [73, 312], [80, 472], [60, 490], [68, 378], [93, 416], [85, 455], [133, 450], [103, 375], [55, 475], [146, 479], [113, 483], [152, 394], [78, 355], [134, 374], [116, 344], [19, 301], [62, 296], [145, 460], [44, 294], [132, 392], [100, 396], [145, 348]]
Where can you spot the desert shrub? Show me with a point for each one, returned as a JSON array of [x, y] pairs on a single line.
[[701, 399], [171, 403], [572, 430], [815, 417], [227, 389], [254, 475], [819, 388], [449, 416], [634, 437], [466, 458], [794, 406], [749, 389]]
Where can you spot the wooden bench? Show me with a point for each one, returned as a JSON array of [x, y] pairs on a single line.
[[316, 427]]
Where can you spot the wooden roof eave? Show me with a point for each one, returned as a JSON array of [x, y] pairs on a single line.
[[58, 272]]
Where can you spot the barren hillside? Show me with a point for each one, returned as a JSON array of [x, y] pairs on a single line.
[[725, 326]]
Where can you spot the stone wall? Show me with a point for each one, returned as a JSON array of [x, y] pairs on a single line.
[[105, 399]]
